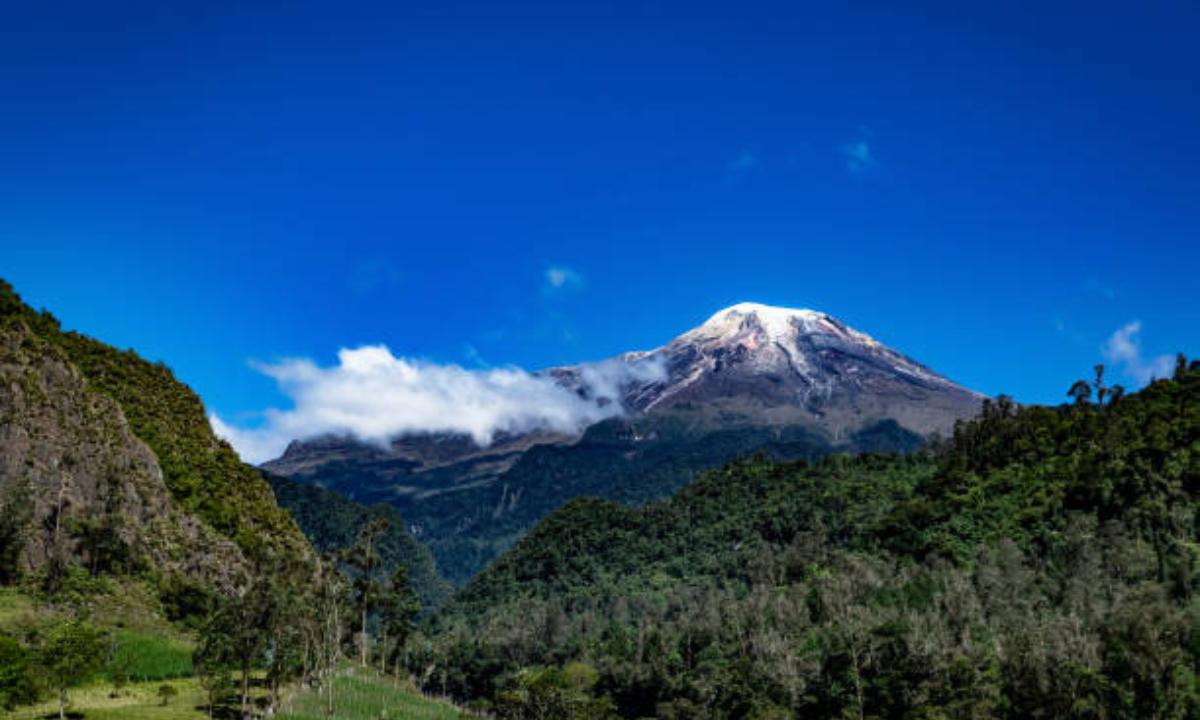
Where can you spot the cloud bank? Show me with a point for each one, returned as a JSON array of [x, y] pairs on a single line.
[[1123, 349], [375, 396]]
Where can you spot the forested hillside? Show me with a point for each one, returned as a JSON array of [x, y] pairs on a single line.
[[333, 524], [202, 473], [1039, 564], [467, 524]]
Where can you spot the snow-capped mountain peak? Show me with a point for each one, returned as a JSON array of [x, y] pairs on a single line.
[[765, 365], [776, 324], [769, 364]]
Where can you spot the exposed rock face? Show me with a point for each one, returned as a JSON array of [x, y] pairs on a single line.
[[70, 464], [761, 365]]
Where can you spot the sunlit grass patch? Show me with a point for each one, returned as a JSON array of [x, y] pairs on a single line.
[[137, 701], [366, 695]]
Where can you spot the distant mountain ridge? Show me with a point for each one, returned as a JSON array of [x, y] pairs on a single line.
[[790, 383]]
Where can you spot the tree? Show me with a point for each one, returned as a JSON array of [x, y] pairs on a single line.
[[363, 559], [72, 651], [1101, 390], [1181, 367], [1081, 392], [287, 646], [166, 693], [103, 547], [554, 693], [330, 602], [213, 674], [398, 610], [18, 675], [238, 633]]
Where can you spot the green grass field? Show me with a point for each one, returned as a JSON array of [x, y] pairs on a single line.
[[360, 695], [145, 657], [365, 695], [150, 653], [137, 701]]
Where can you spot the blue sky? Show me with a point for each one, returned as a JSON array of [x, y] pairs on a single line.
[[993, 191]]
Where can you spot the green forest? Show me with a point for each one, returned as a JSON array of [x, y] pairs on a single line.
[[1040, 563]]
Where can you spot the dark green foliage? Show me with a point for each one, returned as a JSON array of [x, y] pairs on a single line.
[[1039, 564], [105, 552], [398, 610], [186, 602], [468, 526], [166, 693], [362, 561], [1021, 473], [19, 680], [333, 523], [237, 636], [15, 512]]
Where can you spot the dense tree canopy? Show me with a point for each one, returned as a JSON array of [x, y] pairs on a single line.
[[1038, 564]]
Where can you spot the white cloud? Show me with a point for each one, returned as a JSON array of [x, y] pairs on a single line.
[[375, 396], [560, 277], [254, 445], [858, 156], [1123, 349]]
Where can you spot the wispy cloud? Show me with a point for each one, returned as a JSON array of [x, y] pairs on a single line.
[[560, 278], [744, 162], [375, 396], [1123, 349], [474, 357], [858, 156]]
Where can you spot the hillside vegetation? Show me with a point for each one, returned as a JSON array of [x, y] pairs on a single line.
[[467, 525], [1039, 564], [146, 572], [334, 523], [204, 475]]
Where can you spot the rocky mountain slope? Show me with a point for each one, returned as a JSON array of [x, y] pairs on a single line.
[[109, 462], [76, 480], [791, 383], [753, 364]]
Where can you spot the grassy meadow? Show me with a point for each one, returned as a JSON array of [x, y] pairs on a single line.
[[360, 695], [363, 694]]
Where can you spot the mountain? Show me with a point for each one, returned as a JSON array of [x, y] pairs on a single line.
[[794, 384], [753, 364], [1040, 563], [109, 463]]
